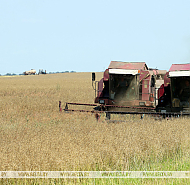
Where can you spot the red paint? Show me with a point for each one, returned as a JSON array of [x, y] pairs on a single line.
[[100, 88], [180, 67], [106, 75], [161, 91], [145, 77], [128, 65]]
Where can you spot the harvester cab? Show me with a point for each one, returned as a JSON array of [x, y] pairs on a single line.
[[179, 75], [123, 87], [176, 95]]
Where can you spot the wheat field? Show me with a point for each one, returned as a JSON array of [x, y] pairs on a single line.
[[36, 136]]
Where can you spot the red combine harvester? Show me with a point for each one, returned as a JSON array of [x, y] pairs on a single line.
[[174, 94], [128, 85], [133, 88]]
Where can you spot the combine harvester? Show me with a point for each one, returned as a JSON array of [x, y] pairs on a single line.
[[133, 88], [174, 94], [129, 85]]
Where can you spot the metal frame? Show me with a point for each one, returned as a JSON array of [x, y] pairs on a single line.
[[152, 111]]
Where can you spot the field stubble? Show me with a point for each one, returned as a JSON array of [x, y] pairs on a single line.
[[36, 136]]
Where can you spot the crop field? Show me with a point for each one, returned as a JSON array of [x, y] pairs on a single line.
[[35, 136]]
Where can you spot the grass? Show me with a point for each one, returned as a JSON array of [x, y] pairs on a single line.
[[36, 136]]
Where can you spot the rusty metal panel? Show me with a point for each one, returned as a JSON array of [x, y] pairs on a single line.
[[128, 65], [180, 67], [100, 88], [145, 89], [145, 77]]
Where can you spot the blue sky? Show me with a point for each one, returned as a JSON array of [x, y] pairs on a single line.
[[86, 35]]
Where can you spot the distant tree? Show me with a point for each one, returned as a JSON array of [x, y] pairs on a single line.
[[66, 71], [8, 74], [72, 71]]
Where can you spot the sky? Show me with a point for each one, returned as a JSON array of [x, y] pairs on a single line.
[[86, 35]]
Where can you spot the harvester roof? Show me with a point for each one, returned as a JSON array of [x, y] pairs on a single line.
[[180, 67], [179, 70], [128, 65]]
